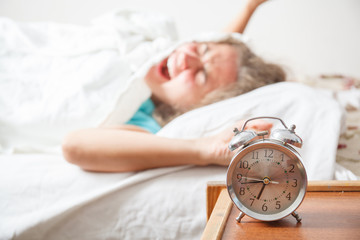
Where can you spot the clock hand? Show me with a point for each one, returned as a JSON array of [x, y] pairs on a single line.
[[260, 181], [261, 191], [256, 179]]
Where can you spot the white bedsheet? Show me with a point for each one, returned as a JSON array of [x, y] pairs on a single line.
[[44, 197]]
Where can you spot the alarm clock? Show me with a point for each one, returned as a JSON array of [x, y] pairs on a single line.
[[266, 178]]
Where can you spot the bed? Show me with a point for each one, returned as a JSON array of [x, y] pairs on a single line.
[[44, 197]]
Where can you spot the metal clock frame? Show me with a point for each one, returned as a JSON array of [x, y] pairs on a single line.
[[280, 146]]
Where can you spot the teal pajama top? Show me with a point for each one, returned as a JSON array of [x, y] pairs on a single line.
[[143, 117]]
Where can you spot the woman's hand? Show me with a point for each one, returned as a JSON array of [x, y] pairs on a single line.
[[253, 4], [215, 149]]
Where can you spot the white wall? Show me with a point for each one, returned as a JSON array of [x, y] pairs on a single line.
[[309, 36]]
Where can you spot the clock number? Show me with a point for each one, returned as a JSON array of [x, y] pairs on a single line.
[[278, 206], [252, 201], [282, 157], [242, 191], [292, 168], [295, 183], [288, 196], [255, 155], [270, 153], [264, 207], [239, 177], [244, 164]]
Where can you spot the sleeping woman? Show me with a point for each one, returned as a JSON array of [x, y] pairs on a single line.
[[193, 75]]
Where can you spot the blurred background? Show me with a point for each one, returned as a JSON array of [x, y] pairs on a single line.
[[309, 37]]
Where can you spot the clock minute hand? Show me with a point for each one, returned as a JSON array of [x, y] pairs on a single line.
[[261, 191]]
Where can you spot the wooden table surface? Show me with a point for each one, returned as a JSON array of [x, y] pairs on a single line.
[[330, 210]]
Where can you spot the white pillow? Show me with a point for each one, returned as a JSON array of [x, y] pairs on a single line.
[[317, 116]]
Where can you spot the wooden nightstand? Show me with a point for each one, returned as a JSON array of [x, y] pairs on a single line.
[[330, 210]]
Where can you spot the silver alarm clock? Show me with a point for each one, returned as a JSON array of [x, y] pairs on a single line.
[[266, 178]]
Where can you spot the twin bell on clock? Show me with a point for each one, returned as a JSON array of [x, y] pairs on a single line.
[[266, 178]]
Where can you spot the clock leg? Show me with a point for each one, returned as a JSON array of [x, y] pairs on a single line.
[[241, 215], [296, 215]]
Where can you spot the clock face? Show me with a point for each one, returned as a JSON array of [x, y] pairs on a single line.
[[267, 180]]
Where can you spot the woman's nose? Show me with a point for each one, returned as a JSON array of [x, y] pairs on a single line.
[[190, 61]]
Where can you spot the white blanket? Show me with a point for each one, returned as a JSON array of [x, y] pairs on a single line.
[[55, 78], [43, 197]]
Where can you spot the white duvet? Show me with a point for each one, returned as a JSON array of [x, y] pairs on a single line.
[[55, 78], [44, 197]]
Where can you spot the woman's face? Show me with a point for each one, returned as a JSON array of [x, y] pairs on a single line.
[[192, 71]]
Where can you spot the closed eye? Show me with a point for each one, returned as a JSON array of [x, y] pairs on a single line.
[[200, 78], [202, 49], [201, 75]]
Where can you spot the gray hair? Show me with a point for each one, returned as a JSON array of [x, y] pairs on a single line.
[[253, 72]]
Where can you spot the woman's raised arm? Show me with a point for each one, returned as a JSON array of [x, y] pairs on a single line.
[[241, 20]]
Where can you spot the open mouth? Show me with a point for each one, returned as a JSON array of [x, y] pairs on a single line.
[[163, 69]]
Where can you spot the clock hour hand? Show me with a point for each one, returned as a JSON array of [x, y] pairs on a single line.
[[259, 181], [256, 179]]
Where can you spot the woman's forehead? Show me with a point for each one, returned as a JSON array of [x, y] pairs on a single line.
[[222, 61], [222, 52]]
